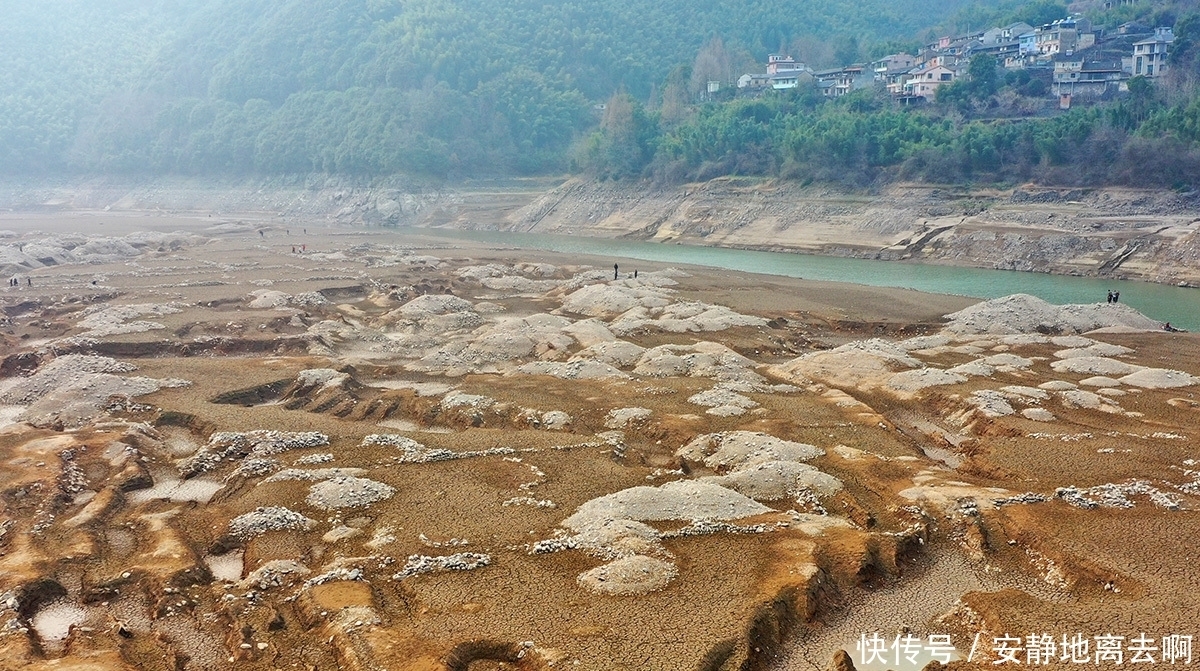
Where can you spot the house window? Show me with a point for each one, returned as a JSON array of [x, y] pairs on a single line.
[[1149, 70], [945, 76], [1139, 66]]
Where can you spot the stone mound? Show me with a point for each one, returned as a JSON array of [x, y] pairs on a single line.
[[1159, 378], [683, 317], [736, 449], [268, 299], [571, 370], [619, 418], [680, 500], [115, 320], [911, 381], [1095, 365], [73, 389], [268, 518], [433, 313], [59, 372], [636, 574], [347, 492], [610, 300], [617, 353], [776, 480], [1022, 313], [613, 539], [864, 364]]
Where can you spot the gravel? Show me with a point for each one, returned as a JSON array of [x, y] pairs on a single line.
[[347, 492], [620, 418], [733, 449], [417, 453], [60, 372], [777, 480], [462, 561], [679, 500], [636, 574], [268, 518], [1116, 495], [235, 445]]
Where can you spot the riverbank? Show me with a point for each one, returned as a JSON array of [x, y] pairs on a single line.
[[1104, 233]]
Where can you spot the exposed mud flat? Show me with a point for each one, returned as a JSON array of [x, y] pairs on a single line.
[[366, 453]]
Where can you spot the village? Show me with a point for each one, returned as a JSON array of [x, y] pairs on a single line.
[[1069, 59]]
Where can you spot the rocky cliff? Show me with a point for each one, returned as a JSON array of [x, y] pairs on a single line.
[[1148, 235]]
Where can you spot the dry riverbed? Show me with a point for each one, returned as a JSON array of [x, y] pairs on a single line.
[[264, 445]]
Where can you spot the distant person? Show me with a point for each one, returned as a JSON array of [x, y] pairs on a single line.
[[261, 234], [635, 273], [614, 271], [1116, 296], [29, 281], [1109, 295]]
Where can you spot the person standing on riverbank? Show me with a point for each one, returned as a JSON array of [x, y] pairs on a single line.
[[614, 271]]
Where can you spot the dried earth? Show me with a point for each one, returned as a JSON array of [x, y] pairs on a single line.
[[389, 452]]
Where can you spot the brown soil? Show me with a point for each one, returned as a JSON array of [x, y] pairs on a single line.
[[96, 531]]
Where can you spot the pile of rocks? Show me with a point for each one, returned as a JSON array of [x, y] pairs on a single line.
[[269, 518]]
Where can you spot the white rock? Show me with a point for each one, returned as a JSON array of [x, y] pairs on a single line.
[[1038, 414], [1159, 378], [636, 574], [735, 449]]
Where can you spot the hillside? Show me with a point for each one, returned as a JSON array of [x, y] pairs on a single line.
[[502, 88], [362, 86]]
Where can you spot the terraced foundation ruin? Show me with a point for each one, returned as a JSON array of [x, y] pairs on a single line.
[[392, 452]]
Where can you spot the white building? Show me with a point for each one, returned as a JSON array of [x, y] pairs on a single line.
[[1150, 55]]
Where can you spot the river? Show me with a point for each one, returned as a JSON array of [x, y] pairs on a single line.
[[1178, 305]]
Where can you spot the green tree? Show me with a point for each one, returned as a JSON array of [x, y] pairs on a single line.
[[1184, 54], [982, 72], [1040, 12], [621, 147], [846, 51]]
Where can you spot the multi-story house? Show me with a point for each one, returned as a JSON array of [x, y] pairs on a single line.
[[925, 82], [1079, 76], [891, 70], [1150, 55], [777, 63]]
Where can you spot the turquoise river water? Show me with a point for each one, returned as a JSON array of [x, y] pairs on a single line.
[[1178, 305]]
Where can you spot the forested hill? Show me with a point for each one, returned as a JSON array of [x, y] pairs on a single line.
[[369, 86]]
